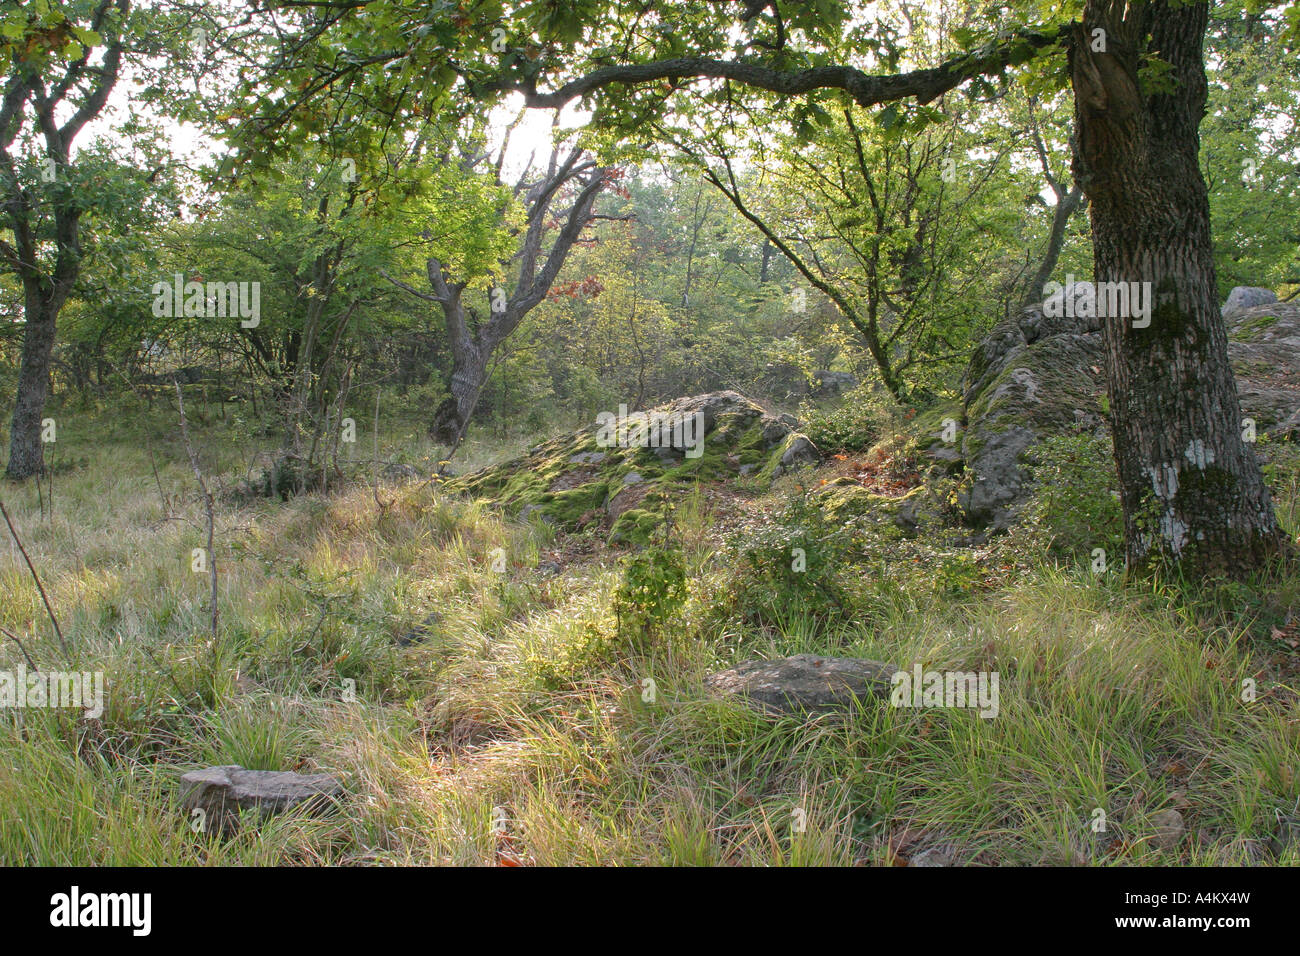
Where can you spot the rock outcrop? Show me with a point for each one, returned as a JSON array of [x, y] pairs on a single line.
[[620, 474], [1037, 374]]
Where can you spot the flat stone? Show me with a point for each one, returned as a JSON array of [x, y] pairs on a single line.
[[1169, 828], [934, 856], [588, 458], [222, 792], [805, 682]]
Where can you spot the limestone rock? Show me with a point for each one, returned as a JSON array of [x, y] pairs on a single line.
[[934, 856], [222, 792], [1246, 297], [1169, 828], [1035, 375], [805, 682], [622, 482]]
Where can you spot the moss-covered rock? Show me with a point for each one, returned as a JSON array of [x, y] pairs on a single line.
[[620, 475], [845, 500], [1032, 375], [1035, 375], [1264, 346]]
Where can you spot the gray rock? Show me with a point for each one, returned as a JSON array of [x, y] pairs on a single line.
[[934, 856], [805, 682], [421, 630], [1246, 297], [397, 471], [827, 382], [221, 793], [1290, 428], [1168, 829], [1264, 346], [998, 479], [1035, 375], [907, 518], [774, 431], [549, 567], [801, 452], [640, 463], [528, 510]]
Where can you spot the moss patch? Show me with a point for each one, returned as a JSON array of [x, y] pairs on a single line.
[[1253, 328], [574, 482]]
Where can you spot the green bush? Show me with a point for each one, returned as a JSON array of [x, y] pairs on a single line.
[[788, 568], [652, 591], [854, 425], [1075, 506]]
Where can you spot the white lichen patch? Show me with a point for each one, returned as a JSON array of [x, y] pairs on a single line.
[[1198, 454], [1164, 480]]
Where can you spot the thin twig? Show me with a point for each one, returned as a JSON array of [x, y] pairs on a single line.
[[207, 505], [14, 637], [58, 631]]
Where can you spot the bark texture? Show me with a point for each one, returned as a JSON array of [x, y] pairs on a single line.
[[1191, 486]]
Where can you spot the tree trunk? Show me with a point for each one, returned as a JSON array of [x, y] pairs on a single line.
[[1066, 206], [26, 451], [1192, 490], [468, 376]]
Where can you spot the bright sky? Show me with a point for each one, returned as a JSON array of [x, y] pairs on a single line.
[[192, 147]]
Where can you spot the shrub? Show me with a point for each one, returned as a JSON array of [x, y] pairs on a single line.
[[651, 592], [788, 568], [1075, 505], [854, 425]]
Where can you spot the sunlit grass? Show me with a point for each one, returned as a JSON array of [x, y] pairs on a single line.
[[516, 707]]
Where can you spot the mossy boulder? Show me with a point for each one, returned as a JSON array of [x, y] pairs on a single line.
[[1264, 346], [846, 500], [1035, 374], [619, 475]]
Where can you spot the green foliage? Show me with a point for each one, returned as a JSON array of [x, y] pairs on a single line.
[[651, 592], [1075, 505], [787, 569], [1250, 146], [854, 425]]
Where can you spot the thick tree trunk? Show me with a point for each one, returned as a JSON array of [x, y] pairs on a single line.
[[1191, 488], [468, 376], [26, 451]]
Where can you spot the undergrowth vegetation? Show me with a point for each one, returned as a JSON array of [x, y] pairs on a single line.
[[453, 667]]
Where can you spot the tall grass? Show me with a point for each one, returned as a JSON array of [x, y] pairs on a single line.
[[513, 725]]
